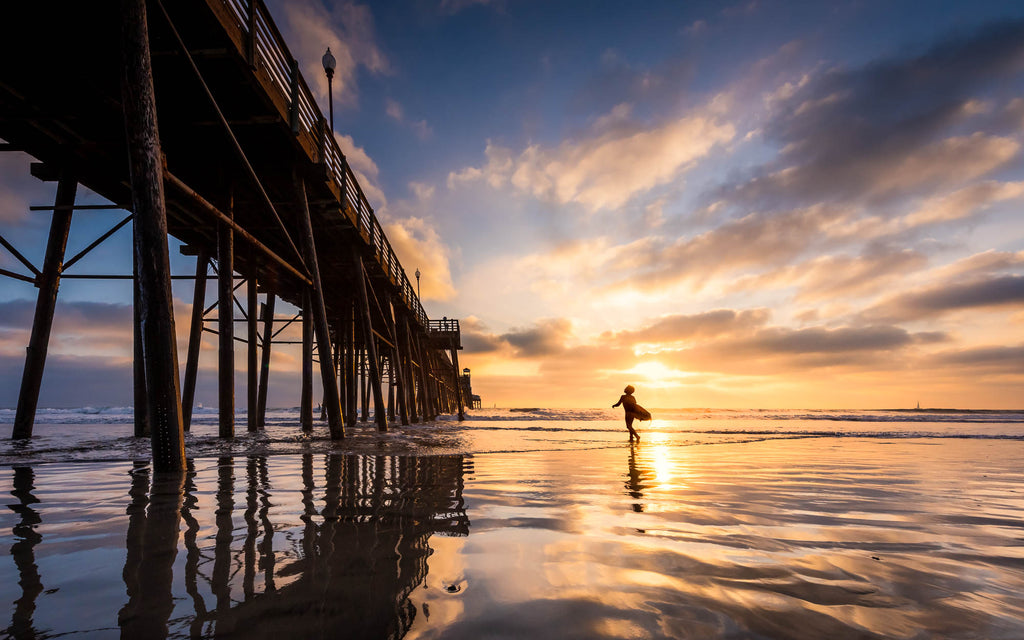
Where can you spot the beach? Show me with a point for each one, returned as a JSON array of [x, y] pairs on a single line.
[[536, 525]]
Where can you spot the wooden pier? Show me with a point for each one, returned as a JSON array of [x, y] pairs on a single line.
[[192, 117]]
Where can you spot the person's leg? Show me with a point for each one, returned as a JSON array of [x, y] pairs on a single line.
[[629, 425]]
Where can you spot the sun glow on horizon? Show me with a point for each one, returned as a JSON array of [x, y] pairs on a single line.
[[657, 375]]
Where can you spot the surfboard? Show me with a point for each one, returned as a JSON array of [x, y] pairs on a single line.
[[639, 413]]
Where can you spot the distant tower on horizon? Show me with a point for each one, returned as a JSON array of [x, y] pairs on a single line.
[[467, 390]]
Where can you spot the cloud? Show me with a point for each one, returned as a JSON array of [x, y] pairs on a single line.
[[784, 352], [419, 246], [476, 337], [396, 112], [964, 203], [422, 130], [545, 338], [421, 190], [755, 240], [79, 327], [888, 128], [605, 169], [309, 28], [984, 292], [71, 381], [365, 170], [994, 359], [984, 263], [816, 340], [830, 276], [675, 328], [696, 27]]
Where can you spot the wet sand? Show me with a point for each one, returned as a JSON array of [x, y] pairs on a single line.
[[787, 538]]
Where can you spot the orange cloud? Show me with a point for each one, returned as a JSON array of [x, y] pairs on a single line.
[[419, 246], [608, 168]]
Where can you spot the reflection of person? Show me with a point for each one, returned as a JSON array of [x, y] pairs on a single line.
[[628, 403], [638, 475]]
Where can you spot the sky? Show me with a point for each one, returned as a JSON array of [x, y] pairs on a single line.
[[755, 204]]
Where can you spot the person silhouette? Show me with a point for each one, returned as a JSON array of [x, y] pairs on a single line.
[[629, 404]]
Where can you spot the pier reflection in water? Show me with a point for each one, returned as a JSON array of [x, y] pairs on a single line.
[[290, 546], [23, 551]]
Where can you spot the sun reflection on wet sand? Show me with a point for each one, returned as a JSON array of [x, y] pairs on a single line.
[[779, 539], [784, 539]]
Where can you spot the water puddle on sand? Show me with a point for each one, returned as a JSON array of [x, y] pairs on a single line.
[[779, 539]]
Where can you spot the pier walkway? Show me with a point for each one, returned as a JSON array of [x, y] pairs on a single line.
[[192, 117]]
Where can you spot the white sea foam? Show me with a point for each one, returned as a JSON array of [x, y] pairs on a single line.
[[105, 433]]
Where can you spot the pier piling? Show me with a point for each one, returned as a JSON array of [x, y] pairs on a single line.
[[160, 351]]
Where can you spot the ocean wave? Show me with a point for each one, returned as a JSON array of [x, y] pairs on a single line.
[[967, 416], [207, 415]]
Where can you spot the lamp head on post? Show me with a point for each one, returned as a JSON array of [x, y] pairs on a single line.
[[329, 64], [417, 282]]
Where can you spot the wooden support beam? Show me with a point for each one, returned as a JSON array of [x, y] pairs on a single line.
[[371, 345], [46, 301], [429, 394], [252, 361], [268, 332], [201, 202], [226, 327], [79, 207], [140, 412], [17, 276], [46, 172], [306, 401], [95, 243], [457, 391], [391, 387], [409, 353], [337, 375], [398, 378], [22, 259], [323, 336], [195, 339], [146, 165], [422, 369], [350, 363], [364, 381]]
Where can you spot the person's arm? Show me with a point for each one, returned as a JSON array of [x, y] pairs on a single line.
[[619, 402]]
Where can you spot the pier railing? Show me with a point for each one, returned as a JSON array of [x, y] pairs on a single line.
[[447, 325], [252, 29]]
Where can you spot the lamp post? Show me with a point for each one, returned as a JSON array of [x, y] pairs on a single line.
[[329, 63], [418, 283]]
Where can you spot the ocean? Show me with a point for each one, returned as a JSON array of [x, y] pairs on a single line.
[[105, 433]]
